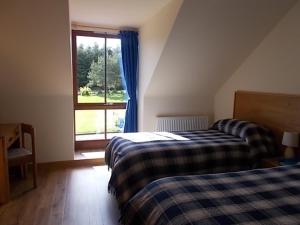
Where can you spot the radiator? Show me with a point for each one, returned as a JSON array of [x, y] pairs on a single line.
[[181, 123]]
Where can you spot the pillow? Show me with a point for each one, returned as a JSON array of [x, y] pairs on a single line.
[[261, 139]]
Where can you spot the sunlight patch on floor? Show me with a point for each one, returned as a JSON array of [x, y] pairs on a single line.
[[89, 154], [93, 155]]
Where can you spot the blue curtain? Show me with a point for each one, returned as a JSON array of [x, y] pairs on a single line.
[[129, 51]]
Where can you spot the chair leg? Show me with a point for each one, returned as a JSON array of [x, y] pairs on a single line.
[[22, 171], [25, 170], [34, 173]]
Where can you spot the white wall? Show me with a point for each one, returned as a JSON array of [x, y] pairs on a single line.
[[152, 39], [35, 73], [273, 67], [175, 105], [209, 40]]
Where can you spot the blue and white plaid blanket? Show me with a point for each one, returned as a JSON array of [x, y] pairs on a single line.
[[262, 196], [137, 159]]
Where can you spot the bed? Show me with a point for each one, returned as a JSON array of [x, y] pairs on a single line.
[[140, 158], [261, 196]]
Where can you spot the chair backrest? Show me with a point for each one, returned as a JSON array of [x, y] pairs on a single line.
[[26, 128]]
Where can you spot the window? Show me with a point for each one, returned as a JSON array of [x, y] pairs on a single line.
[[99, 90]]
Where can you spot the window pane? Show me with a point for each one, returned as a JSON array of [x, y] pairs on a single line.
[[115, 84], [90, 69], [89, 124], [115, 122]]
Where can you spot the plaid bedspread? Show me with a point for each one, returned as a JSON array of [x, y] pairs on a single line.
[[137, 159], [265, 196]]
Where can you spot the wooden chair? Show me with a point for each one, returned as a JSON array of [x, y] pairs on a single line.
[[4, 181], [22, 156]]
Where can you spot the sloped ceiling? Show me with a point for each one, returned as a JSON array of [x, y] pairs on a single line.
[[114, 13], [209, 40]]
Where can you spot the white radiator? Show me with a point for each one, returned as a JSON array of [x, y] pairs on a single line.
[[181, 123]]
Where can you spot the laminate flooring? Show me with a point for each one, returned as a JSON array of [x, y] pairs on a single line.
[[65, 196]]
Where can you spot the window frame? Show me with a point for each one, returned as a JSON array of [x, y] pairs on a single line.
[[91, 106], [77, 105]]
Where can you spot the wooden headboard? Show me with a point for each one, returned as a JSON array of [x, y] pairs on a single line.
[[279, 112]]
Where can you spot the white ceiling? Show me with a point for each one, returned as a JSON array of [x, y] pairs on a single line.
[[114, 13]]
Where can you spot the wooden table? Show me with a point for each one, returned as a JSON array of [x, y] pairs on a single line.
[[10, 134]]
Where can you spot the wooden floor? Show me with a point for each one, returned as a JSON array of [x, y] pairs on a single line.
[[65, 196]]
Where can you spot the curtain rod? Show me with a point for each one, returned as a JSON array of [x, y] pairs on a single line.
[[93, 27]]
